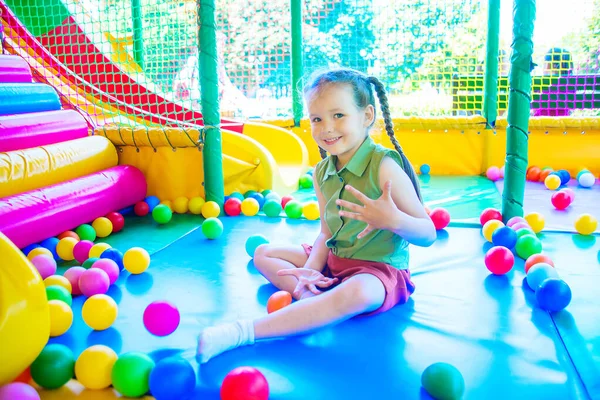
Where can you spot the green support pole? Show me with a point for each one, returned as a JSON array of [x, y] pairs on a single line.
[[138, 33], [209, 84], [490, 85], [297, 65], [518, 109]]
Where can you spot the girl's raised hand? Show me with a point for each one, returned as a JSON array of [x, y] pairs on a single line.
[[308, 280]]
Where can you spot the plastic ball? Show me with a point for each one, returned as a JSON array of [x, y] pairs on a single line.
[[586, 224], [39, 251], [443, 381], [259, 198], [18, 391], [244, 383], [536, 259], [90, 261], [553, 294], [489, 214], [249, 193], [162, 214], [168, 204], [237, 195], [524, 231], [117, 221], [521, 225], [278, 300], [81, 251], [161, 318], [533, 174], [56, 292], [527, 245], [586, 180], [141, 208], [103, 227], [94, 365], [273, 196], [110, 268], [536, 221], [272, 208], [424, 169], [50, 244], [99, 312], [195, 205], [64, 248], [45, 265], [493, 173], [152, 202], [86, 232], [502, 171], [285, 200], [115, 255], [499, 260], [293, 209], [97, 250], [544, 173], [73, 274], [310, 210], [504, 236], [232, 207], [267, 192], [61, 317], [440, 218], [212, 228], [253, 242], [564, 176], [515, 220], [70, 234], [560, 200], [570, 192], [539, 273], [53, 367], [490, 227], [93, 281], [211, 209], [58, 280], [131, 374], [306, 181], [250, 207], [180, 205], [136, 260], [552, 182], [173, 378]]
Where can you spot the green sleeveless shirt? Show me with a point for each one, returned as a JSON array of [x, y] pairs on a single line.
[[361, 172]]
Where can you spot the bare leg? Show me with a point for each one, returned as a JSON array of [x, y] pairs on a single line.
[[359, 294], [269, 259]]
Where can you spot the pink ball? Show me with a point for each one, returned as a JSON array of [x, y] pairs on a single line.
[[93, 281], [561, 200], [520, 225], [45, 265], [110, 267], [73, 274], [493, 173], [570, 192], [18, 390], [499, 260], [81, 251], [440, 218], [161, 318], [514, 220]]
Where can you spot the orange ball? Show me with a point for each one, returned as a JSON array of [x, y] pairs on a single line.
[[68, 234], [24, 377], [537, 258], [544, 174], [533, 174], [278, 300]]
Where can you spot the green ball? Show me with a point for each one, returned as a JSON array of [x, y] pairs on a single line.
[[272, 208], [249, 193], [528, 245], [266, 192], [54, 367], [212, 228], [443, 381], [293, 209], [55, 292], [162, 214], [87, 264], [131, 374], [86, 232], [524, 231], [253, 242], [306, 181], [237, 195]]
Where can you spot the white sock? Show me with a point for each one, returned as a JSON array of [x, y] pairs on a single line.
[[215, 340]]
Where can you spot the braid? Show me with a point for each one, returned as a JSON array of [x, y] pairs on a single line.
[[323, 153], [389, 128]]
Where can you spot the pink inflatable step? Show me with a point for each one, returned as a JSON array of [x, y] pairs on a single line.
[[24, 131], [31, 217], [14, 69]]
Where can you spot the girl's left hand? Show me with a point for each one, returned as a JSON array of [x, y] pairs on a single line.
[[377, 213]]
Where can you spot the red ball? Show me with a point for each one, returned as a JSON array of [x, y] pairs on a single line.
[[285, 199], [245, 383], [499, 260], [440, 218], [117, 220], [560, 200], [489, 214], [142, 208], [233, 206]]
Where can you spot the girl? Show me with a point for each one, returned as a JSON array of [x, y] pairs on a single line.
[[371, 210]]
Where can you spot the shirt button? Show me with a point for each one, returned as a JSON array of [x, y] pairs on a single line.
[[341, 179]]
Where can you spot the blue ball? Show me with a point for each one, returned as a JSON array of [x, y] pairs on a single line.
[[152, 202], [172, 378], [564, 175], [27, 249], [260, 198], [114, 255], [126, 210], [539, 273], [253, 242], [504, 236], [553, 294], [50, 244], [425, 169]]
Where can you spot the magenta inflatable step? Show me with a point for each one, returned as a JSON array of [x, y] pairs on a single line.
[[14, 69]]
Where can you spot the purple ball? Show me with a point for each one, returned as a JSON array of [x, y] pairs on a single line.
[[161, 318], [18, 390], [93, 281], [81, 251], [45, 265], [110, 267]]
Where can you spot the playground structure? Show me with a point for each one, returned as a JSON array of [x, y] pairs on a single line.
[[83, 132]]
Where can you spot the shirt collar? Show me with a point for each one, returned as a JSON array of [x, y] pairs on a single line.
[[357, 164]]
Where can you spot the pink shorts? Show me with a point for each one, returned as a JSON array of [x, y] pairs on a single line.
[[397, 283]]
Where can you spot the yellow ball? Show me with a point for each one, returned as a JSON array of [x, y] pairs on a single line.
[[311, 210], [64, 248], [195, 205], [536, 221], [180, 205], [167, 203], [250, 207], [61, 317], [93, 368], [586, 224], [552, 182], [210, 209], [99, 312], [38, 251], [58, 280], [136, 260], [102, 226], [490, 227], [98, 249]]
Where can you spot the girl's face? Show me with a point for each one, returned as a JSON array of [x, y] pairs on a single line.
[[338, 125]]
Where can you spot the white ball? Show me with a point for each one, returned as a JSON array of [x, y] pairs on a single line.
[[587, 180]]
